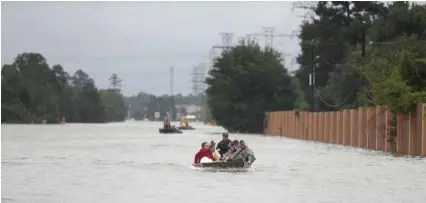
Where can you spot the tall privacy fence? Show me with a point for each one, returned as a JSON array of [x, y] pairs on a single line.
[[365, 127]]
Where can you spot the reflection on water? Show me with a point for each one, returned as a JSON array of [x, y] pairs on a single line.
[[131, 162]]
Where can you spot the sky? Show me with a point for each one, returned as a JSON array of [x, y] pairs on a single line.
[[139, 41]]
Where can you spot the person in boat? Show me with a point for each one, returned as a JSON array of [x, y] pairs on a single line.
[[204, 152], [166, 123], [184, 123], [244, 153], [214, 151], [233, 149], [224, 145]]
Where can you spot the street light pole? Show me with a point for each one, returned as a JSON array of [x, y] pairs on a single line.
[[363, 30], [312, 76]]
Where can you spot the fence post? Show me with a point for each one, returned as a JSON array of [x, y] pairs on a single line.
[[411, 133], [339, 128], [376, 127], [360, 126], [423, 129], [352, 112], [322, 126]]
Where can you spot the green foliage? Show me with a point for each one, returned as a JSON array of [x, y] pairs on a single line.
[[300, 103], [113, 101], [115, 82], [362, 53], [115, 108], [397, 78], [245, 82], [336, 30], [32, 92]]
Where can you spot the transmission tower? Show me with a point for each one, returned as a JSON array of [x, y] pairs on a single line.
[[200, 71], [227, 38], [308, 7], [269, 37], [199, 86], [269, 34], [198, 77]]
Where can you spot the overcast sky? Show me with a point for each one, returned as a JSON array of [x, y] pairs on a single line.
[[138, 40]]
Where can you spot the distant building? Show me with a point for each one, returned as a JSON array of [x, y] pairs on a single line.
[[190, 117], [189, 110]]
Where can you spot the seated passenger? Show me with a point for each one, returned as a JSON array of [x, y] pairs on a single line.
[[233, 149], [224, 145], [204, 152], [244, 153], [214, 151]]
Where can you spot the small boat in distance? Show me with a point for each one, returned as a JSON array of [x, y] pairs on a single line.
[[172, 129], [184, 124], [186, 128]]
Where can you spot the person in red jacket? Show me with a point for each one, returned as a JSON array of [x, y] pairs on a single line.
[[204, 152], [166, 122]]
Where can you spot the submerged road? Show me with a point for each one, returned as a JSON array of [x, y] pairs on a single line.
[[131, 162]]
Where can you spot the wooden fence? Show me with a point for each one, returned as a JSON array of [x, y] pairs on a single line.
[[365, 127]]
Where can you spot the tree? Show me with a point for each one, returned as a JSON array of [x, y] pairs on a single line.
[[327, 39], [12, 109], [244, 83], [113, 102], [88, 100], [382, 59], [115, 81], [32, 92]]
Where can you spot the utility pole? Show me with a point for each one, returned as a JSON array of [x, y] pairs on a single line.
[[363, 28], [312, 75], [128, 112], [171, 92]]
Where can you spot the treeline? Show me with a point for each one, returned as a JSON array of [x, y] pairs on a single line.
[[33, 92], [364, 53], [360, 53], [144, 105]]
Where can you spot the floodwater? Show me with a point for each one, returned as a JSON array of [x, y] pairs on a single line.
[[131, 162]]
